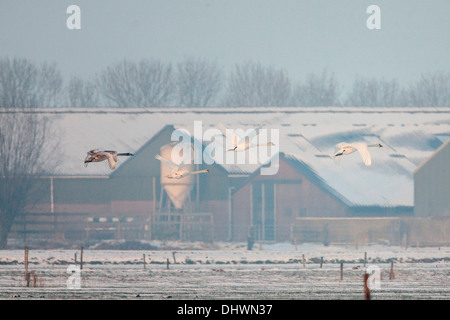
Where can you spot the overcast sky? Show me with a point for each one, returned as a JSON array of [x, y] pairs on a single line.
[[298, 36]]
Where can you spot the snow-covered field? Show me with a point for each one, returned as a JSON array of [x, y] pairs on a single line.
[[227, 271]]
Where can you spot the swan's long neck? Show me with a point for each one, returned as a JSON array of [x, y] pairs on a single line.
[[125, 154], [264, 144], [377, 145], [200, 171], [195, 172]]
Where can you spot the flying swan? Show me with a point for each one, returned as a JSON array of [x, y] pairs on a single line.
[[177, 171], [97, 155], [348, 148], [241, 143]]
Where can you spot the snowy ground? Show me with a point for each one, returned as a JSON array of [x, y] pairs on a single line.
[[227, 271]]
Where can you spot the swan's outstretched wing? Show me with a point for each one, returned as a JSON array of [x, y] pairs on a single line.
[[112, 159], [363, 151], [172, 166], [234, 137], [341, 145]]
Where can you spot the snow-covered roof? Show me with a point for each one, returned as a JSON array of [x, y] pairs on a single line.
[[408, 135], [424, 163]]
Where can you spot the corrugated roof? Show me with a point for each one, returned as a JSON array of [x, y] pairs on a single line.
[[409, 137]]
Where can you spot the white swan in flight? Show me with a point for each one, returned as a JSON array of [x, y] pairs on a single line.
[[97, 155], [178, 171], [344, 148], [242, 143]]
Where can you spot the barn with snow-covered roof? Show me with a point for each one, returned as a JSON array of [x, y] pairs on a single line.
[[234, 199]]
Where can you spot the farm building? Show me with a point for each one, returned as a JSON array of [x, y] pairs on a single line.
[[431, 184], [431, 197], [235, 199]]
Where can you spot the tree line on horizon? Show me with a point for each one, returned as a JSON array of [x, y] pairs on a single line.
[[196, 82]]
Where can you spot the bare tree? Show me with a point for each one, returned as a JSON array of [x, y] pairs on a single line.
[[317, 90], [24, 145], [431, 90], [198, 83], [25, 85], [252, 85], [24, 135], [370, 92], [82, 93], [143, 84]]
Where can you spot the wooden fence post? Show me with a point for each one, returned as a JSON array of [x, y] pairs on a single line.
[[391, 273], [26, 264], [81, 258], [366, 287], [342, 272]]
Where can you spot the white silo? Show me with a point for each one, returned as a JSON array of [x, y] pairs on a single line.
[[178, 190]]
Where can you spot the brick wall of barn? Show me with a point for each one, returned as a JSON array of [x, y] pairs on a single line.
[[269, 205]]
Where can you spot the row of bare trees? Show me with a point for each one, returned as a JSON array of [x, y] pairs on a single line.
[[27, 85], [431, 89], [203, 83]]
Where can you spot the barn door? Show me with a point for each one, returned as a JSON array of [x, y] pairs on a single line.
[[263, 211]]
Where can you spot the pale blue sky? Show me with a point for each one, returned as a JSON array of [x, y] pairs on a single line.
[[298, 36]]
